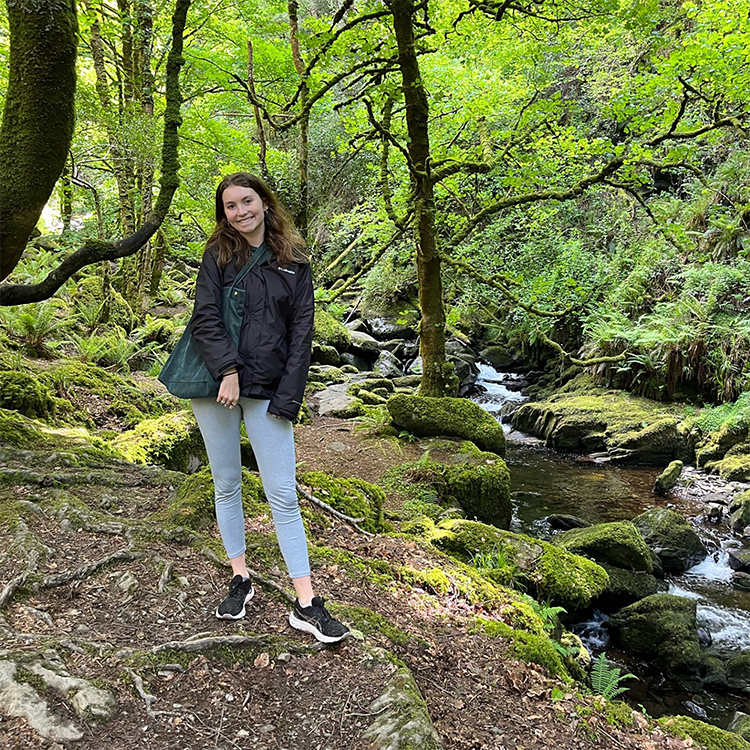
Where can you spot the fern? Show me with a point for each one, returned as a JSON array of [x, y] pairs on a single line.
[[606, 679]]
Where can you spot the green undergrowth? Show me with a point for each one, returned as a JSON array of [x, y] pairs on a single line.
[[370, 623], [524, 646], [194, 505], [352, 496], [378, 572], [96, 393]]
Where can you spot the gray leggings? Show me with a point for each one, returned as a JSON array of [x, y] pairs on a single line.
[[272, 440]]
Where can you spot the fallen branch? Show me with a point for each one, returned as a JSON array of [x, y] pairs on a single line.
[[335, 513], [86, 570], [580, 362]]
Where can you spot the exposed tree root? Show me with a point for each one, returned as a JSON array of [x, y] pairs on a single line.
[[206, 644], [15, 583], [166, 574], [86, 570], [272, 585]]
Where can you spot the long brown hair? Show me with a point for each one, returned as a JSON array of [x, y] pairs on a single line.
[[281, 236]]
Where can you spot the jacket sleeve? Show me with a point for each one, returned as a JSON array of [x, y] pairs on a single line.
[[287, 399], [206, 325]]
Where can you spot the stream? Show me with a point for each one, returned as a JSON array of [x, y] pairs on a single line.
[[544, 482]]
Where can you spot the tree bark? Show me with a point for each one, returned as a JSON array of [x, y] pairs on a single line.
[[438, 378], [304, 123], [38, 118], [256, 109]]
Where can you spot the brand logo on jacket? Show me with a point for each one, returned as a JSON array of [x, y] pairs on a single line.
[[287, 270]]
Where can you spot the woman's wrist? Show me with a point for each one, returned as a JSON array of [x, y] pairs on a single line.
[[229, 372]]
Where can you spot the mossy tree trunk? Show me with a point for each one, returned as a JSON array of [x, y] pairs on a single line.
[[38, 118], [133, 171], [303, 155], [438, 378]]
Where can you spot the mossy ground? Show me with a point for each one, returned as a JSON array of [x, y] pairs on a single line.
[[706, 735]]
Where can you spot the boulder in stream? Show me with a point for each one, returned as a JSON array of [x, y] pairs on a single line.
[[663, 629], [618, 543], [667, 480], [671, 537], [456, 417], [626, 587]]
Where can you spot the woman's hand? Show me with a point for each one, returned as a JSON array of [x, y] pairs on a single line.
[[229, 390]]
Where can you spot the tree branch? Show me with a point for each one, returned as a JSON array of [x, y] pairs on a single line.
[[376, 256], [580, 362], [498, 281]]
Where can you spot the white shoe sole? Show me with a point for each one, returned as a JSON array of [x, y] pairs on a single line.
[[250, 595], [307, 627]]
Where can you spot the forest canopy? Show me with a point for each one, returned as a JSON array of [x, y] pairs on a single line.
[[570, 179]]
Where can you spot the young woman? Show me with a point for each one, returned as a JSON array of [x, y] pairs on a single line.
[[262, 381]]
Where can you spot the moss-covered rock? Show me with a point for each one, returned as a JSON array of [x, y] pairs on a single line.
[[23, 393], [626, 587], [739, 510], [553, 574], [105, 399], [704, 735], [353, 497], [326, 374], [528, 647], [194, 507], [671, 537], [733, 468], [370, 398], [478, 483], [740, 724], [402, 720], [661, 628], [582, 417], [738, 672], [618, 543], [323, 354], [329, 331], [667, 480], [19, 431], [447, 416], [172, 440]]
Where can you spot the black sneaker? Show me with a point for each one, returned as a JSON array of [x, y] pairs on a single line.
[[241, 591], [315, 619]]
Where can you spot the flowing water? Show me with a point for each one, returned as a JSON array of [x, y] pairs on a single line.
[[544, 482]]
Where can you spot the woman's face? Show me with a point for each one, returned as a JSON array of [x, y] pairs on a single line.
[[244, 209]]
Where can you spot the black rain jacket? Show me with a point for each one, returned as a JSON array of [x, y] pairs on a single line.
[[273, 355]]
